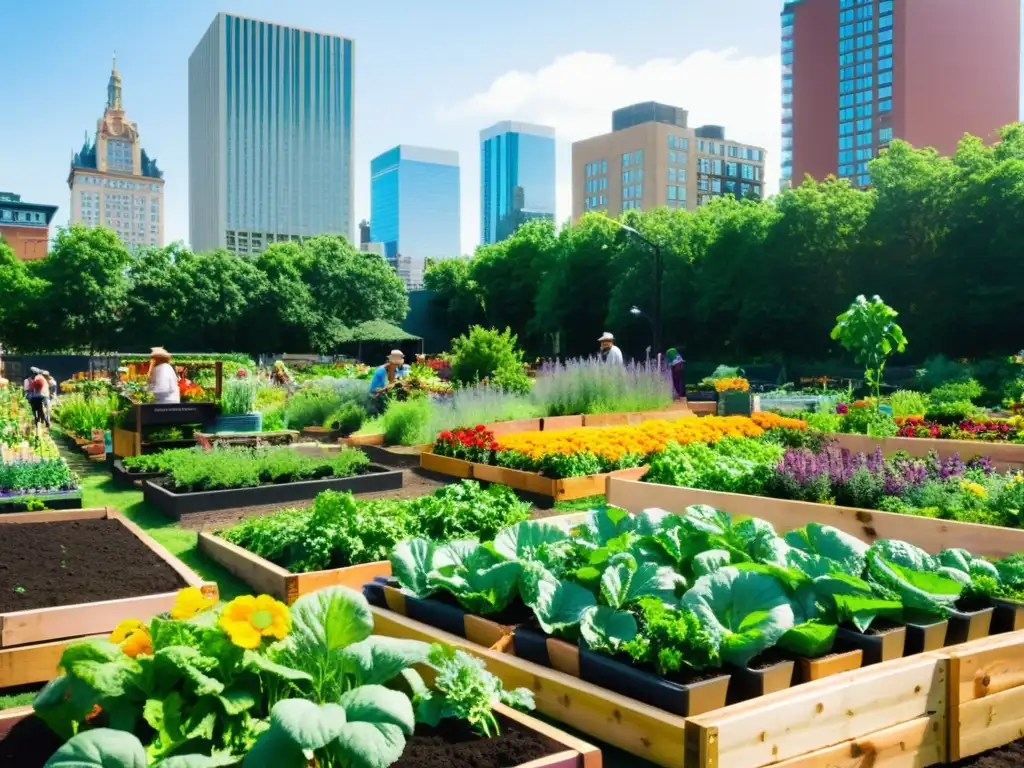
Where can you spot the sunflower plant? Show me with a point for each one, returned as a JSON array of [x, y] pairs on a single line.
[[210, 685]]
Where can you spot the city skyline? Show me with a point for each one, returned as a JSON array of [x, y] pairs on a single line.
[[517, 177], [719, 61]]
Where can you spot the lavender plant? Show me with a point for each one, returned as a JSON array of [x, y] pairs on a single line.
[[590, 386]]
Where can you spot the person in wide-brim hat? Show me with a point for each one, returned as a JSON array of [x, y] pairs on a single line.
[[394, 368], [609, 352], [163, 381]]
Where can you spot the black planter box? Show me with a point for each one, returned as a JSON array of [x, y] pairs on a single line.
[[966, 626], [170, 414], [125, 479], [702, 397], [883, 646], [398, 456], [52, 500], [922, 638], [749, 683], [1007, 617], [175, 505]]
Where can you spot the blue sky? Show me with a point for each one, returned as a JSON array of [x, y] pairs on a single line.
[[426, 73]]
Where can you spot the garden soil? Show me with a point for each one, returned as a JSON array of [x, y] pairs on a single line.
[[453, 744], [1010, 756], [29, 744], [43, 565]]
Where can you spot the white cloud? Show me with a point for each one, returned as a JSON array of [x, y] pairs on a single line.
[[576, 94]]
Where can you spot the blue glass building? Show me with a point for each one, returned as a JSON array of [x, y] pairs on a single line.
[[415, 206], [517, 177], [270, 135]]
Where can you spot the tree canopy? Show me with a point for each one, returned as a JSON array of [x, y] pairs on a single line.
[[938, 237]]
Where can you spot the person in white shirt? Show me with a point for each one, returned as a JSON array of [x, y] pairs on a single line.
[[163, 381], [609, 352]]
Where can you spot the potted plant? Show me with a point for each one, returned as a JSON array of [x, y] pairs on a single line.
[[238, 406]]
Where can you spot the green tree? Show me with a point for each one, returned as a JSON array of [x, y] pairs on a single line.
[[869, 330], [457, 302], [285, 317], [83, 303], [20, 293]]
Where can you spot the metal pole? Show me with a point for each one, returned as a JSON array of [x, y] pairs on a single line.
[[658, 269]]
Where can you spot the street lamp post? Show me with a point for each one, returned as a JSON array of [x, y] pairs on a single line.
[[658, 274]]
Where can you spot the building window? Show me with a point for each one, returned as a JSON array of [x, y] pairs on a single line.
[[884, 22], [845, 129], [638, 156], [672, 192], [732, 169], [626, 157], [716, 167], [119, 155], [885, 93], [885, 7], [884, 135], [671, 174], [885, 106]]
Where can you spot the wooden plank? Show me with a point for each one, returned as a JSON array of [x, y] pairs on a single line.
[[502, 428], [191, 578], [41, 624], [33, 663], [820, 714], [353, 577], [590, 756], [986, 694], [867, 525], [261, 575], [444, 465], [605, 419], [644, 731], [580, 487], [916, 744], [93, 513], [559, 423]]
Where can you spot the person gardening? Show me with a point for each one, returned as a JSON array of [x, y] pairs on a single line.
[[386, 374], [279, 375], [677, 366], [37, 389], [163, 381], [609, 353]]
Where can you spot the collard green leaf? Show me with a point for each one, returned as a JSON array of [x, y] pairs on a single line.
[[378, 660], [747, 611], [522, 540], [922, 591], [332, 618], [236, 700], [607, 523], [411, 561], [191, 665], [379, 719], [100, 748], [841, 551], [605, 629], [710, 562], [308, 725], [621, 585], [811, 639], [650, 521], [259, 663], [558, 605], [484, 590], [199, 761], [851, 600]]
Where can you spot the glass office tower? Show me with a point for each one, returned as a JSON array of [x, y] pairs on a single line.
[[517, 177]]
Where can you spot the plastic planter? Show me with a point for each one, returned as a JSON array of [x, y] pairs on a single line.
[[1008, 616], [922, 638], [250, 422], [749, 683], [885, 645], [967, 626]]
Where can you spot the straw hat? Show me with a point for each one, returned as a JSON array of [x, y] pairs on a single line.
[[606, 337], [159, 353], [396, 356]]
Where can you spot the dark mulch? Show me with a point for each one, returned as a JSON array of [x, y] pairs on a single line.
[[1010, 756], [43, 565], [453, 744], [29, 744]]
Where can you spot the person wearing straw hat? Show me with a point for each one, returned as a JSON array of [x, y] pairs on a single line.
[[394, 368], [163, 381], [37, 389], [609, 352]]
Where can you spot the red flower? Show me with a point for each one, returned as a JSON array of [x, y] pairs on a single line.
[[446, 435], [480, 428]]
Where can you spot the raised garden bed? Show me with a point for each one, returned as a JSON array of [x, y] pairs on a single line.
[[125, 479], [524, 742], [929, 534], [177, 504], [52, 499], [67, 575], [563, 489]]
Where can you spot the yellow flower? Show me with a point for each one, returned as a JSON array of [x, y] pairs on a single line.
[[133, 637], [976, 488], [247, 620], [191, 602]]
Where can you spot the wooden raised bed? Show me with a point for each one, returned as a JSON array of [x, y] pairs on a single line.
[[31, 641], [575, 753], [1005, 456], [267, 578], [52, 500], [889, 715], [529, 482], [986, 694], [868, 525], [175, 505]]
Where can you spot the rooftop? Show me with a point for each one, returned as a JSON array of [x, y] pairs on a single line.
[[648, 112], [13, 202], [514, 126]]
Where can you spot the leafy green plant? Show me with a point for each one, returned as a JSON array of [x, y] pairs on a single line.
[[953, 391], [482, 353], [239, 396], [347, 419], [310, 407], [671, 639], [951, 411], [869, 330], [80, 414], [405, 422], [906, 402]]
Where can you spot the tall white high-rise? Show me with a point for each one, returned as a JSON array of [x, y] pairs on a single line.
[[270, 135]]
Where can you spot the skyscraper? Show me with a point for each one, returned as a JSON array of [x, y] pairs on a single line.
[[517, 177], [653, 158], [858, 73], [269, 135], [414, 207], [113, 181]]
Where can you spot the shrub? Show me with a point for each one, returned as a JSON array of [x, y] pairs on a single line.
[[482, 353], [347, 419], [80, 414], [311, 406], [406, 423], [589, 386], [512, 379], [957, 391], [906, 402], [951, 412], [939, 370]]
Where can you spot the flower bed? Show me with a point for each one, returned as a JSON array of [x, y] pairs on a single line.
[[31, 469], [74, 574], [267, 700]]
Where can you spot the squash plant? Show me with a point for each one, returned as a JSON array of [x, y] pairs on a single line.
[[252, 683]]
